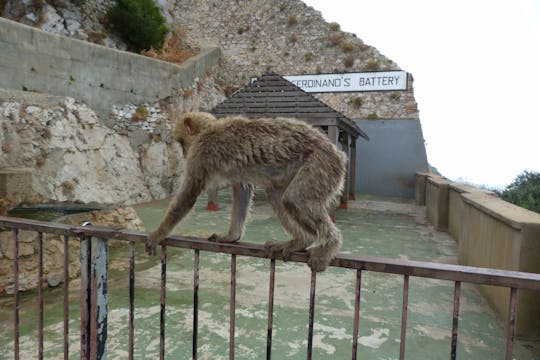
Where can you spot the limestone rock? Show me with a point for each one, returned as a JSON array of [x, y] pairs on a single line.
[[53, 248]]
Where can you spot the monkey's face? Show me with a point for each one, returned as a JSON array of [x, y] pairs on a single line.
[[190, 126]]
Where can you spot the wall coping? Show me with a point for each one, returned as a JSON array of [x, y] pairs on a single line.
[[438, 181], [486, 201], [510, 214]]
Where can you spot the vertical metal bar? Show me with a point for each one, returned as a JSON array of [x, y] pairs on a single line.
[[16, 329], [66, 302], [85, 297], [195, 304], [131, 299], [311, 314], [455, 320], [98, 300], [356, 313], [404, 316], [162, 304], [40, 295], [511, 323], [270, 309], [232, 307]]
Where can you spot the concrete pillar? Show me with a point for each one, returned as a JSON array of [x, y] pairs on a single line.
[[345, 140], [212, 204], [352, 170]]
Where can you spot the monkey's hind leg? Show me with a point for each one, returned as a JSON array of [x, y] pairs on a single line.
[[320, 256], [312, 216], [299, 241]]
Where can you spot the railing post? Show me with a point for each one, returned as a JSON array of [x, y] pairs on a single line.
[[94, 261]]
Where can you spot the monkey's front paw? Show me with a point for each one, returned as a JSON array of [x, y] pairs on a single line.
[[223, 238], [151, 243]]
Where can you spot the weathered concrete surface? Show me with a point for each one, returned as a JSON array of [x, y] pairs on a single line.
[[387, 163], [370, 227], [490, 233], [32, 59]]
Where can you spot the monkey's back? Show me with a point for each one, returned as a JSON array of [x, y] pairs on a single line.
[[270, 149]]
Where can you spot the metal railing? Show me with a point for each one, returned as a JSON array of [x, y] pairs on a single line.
[[93, 313]]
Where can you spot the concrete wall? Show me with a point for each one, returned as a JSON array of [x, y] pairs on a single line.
[[387, 163], [491, 233], [31, 59]]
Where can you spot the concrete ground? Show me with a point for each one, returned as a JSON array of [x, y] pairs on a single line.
[[391, 228]]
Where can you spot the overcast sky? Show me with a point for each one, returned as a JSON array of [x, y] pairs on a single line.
[[476, 68]]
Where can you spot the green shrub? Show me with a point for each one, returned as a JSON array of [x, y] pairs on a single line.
[[524, 191], [139, 23]]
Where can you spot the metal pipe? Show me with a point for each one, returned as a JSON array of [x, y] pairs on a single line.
[[16, 329], [455, 319], [404, 317], [66, 298], [232, 307], [311, 314], [511, 323], [271, 287], [356, 313], [195, 304], [40, 295], [131, 299], [162, 302]]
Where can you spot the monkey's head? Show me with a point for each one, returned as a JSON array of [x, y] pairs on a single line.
[[189, 126]]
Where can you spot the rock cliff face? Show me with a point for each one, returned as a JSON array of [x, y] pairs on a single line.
[[53, 249], [285, 36], [76, 158]]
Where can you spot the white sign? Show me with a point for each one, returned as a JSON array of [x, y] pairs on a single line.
[[351, 82]]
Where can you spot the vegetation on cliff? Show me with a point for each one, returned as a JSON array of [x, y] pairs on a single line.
[[139, 23]]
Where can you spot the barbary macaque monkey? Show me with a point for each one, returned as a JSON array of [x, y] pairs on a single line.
[[301, 171]]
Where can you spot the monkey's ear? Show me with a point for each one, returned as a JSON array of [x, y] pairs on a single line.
[[191, 126]]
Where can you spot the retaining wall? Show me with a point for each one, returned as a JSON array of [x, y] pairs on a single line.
[[31, 59], [490, 233], [387, 163]]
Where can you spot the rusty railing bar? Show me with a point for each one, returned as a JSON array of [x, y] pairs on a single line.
[[40, 295], [485, 276], [131, 299], [66, 299], [232, 307], [16, 330], [311, 313], [162, 302], [356, 313], [271, 286], [455, 320], [404, 317], [85, 296], [195, 304], [511, 323]]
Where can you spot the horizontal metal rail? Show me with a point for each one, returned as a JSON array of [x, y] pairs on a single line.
[[456, 273], [469, 274]]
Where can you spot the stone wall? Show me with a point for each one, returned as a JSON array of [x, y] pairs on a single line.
[[490, 233], [53, 249], [101, 77]]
